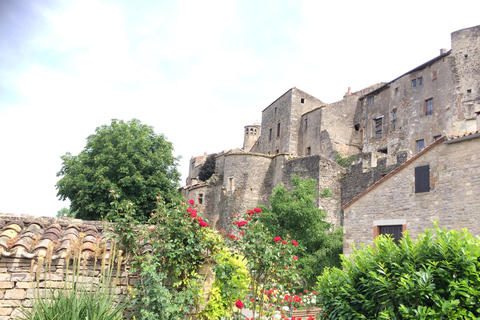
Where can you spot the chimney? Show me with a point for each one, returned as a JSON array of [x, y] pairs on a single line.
[[443, 51], [347, 93]]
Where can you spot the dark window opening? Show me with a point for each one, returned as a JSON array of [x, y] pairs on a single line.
[[277, 151], [378, 127], [200, 198], [278, 129], [371, 100], [357, 126], [394, 118], [466, 56], [306, 123], [420, 145], [469, 91], [437, 137], [396, 90], [275, 110], [393, 231], [428, 107], [383, 150], [302, 100], [422, 179], [270, 134], [308, 151], [414, 83], [420, 81]]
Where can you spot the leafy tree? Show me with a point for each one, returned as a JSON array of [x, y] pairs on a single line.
[[294, 213], [208, 168], [127, 157], [434, 277], [65, 212]]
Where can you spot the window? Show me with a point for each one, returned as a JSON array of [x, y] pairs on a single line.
[[308, 151], [434, 75], [394, 118], [437, 137], [277, 151], [378, 127], [393, 231], [357, 126], [306, 123], [370, 101], [278, 129], [200, 198], [275, 110], [429, 107], [420, 145], [302, 100], [414, 83], [396, 90], [230, 184], [270, 134], [422, 179], [469, 91], [420, 81]]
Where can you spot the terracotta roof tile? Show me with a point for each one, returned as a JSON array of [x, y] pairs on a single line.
[[463, 135]]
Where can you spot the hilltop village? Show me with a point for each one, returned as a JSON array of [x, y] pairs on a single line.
[[421, 128]]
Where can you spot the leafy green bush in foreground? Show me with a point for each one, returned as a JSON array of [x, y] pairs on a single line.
[[434, 277]]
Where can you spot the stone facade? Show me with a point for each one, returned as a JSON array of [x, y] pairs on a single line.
[[383, 126], [452, 200]]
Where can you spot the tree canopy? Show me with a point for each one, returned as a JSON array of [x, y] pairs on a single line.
[[127, 157], [294, 213], [208, 168]]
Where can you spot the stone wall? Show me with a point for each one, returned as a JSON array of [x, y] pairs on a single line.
[[452, 199]]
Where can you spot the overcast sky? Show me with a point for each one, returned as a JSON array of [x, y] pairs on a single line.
[[197, 71]]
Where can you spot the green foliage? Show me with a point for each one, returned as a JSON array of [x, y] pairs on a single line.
[[208, 168], [65, 212], [435, 277], [344, 161], [294, 213], [77, 301], [127, 157], [167, 254], [271, 262], [231, 284]]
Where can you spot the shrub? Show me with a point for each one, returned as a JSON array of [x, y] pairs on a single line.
[[434, 277]]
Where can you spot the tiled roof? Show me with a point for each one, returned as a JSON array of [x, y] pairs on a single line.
[[23, 236], [464, 135], [394, 171]]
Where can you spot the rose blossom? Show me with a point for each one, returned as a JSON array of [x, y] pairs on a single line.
[[295, 258], [191, 201], [295, 243], [257, 210], [239, 304], [277, 239], [284, 242]]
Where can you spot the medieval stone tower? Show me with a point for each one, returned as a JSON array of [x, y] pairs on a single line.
[[252, 133]]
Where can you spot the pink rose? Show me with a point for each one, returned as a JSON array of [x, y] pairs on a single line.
[[257, 210], [277, 239], [191, 201]]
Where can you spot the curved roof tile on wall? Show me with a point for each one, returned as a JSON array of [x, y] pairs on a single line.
[[23, 236]]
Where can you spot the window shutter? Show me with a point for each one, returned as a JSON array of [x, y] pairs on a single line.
[[422, 179], [394, 231]]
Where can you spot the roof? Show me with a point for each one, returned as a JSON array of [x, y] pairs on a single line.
[[23, 236], [291, 89]]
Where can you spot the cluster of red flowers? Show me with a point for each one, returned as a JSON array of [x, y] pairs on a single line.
[[193, 214]]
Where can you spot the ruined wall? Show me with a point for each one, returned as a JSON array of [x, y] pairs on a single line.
[[452, 199]]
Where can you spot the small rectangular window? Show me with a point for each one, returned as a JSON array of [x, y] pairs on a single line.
[[414, 83], [396, 90], [371, 99], [378, 127], [308, 151], [420, 81], [420, 145], [428, 107], [277, 151], [434, 75], [278, 129], [306, 124], [393, 231], [270, 134], [275, 110], [200, 198], [394, 118], [422, 179], [302, 100]]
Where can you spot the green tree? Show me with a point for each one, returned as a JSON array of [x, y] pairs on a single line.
[[65, 212], [127, 157], [294, 213], [208, 168]]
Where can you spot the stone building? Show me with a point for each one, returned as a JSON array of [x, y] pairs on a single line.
[[440, 183], [381, 126]]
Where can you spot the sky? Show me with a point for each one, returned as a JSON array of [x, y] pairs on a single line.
[[196, 71]]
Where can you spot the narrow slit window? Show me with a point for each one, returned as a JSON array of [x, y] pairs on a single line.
[[378, 127], [200, 198], [278, 129], [428, 107]]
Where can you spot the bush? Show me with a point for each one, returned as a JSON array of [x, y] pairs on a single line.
[[435, 277]]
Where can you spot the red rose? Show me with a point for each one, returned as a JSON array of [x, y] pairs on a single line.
[[193, 214], [232, 236], [191, 201], [277, 239], [257, 210], [189, 209], [239, 304], [295, 258], [295, 243], [250, 212], [242, 223], [284, 242]]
